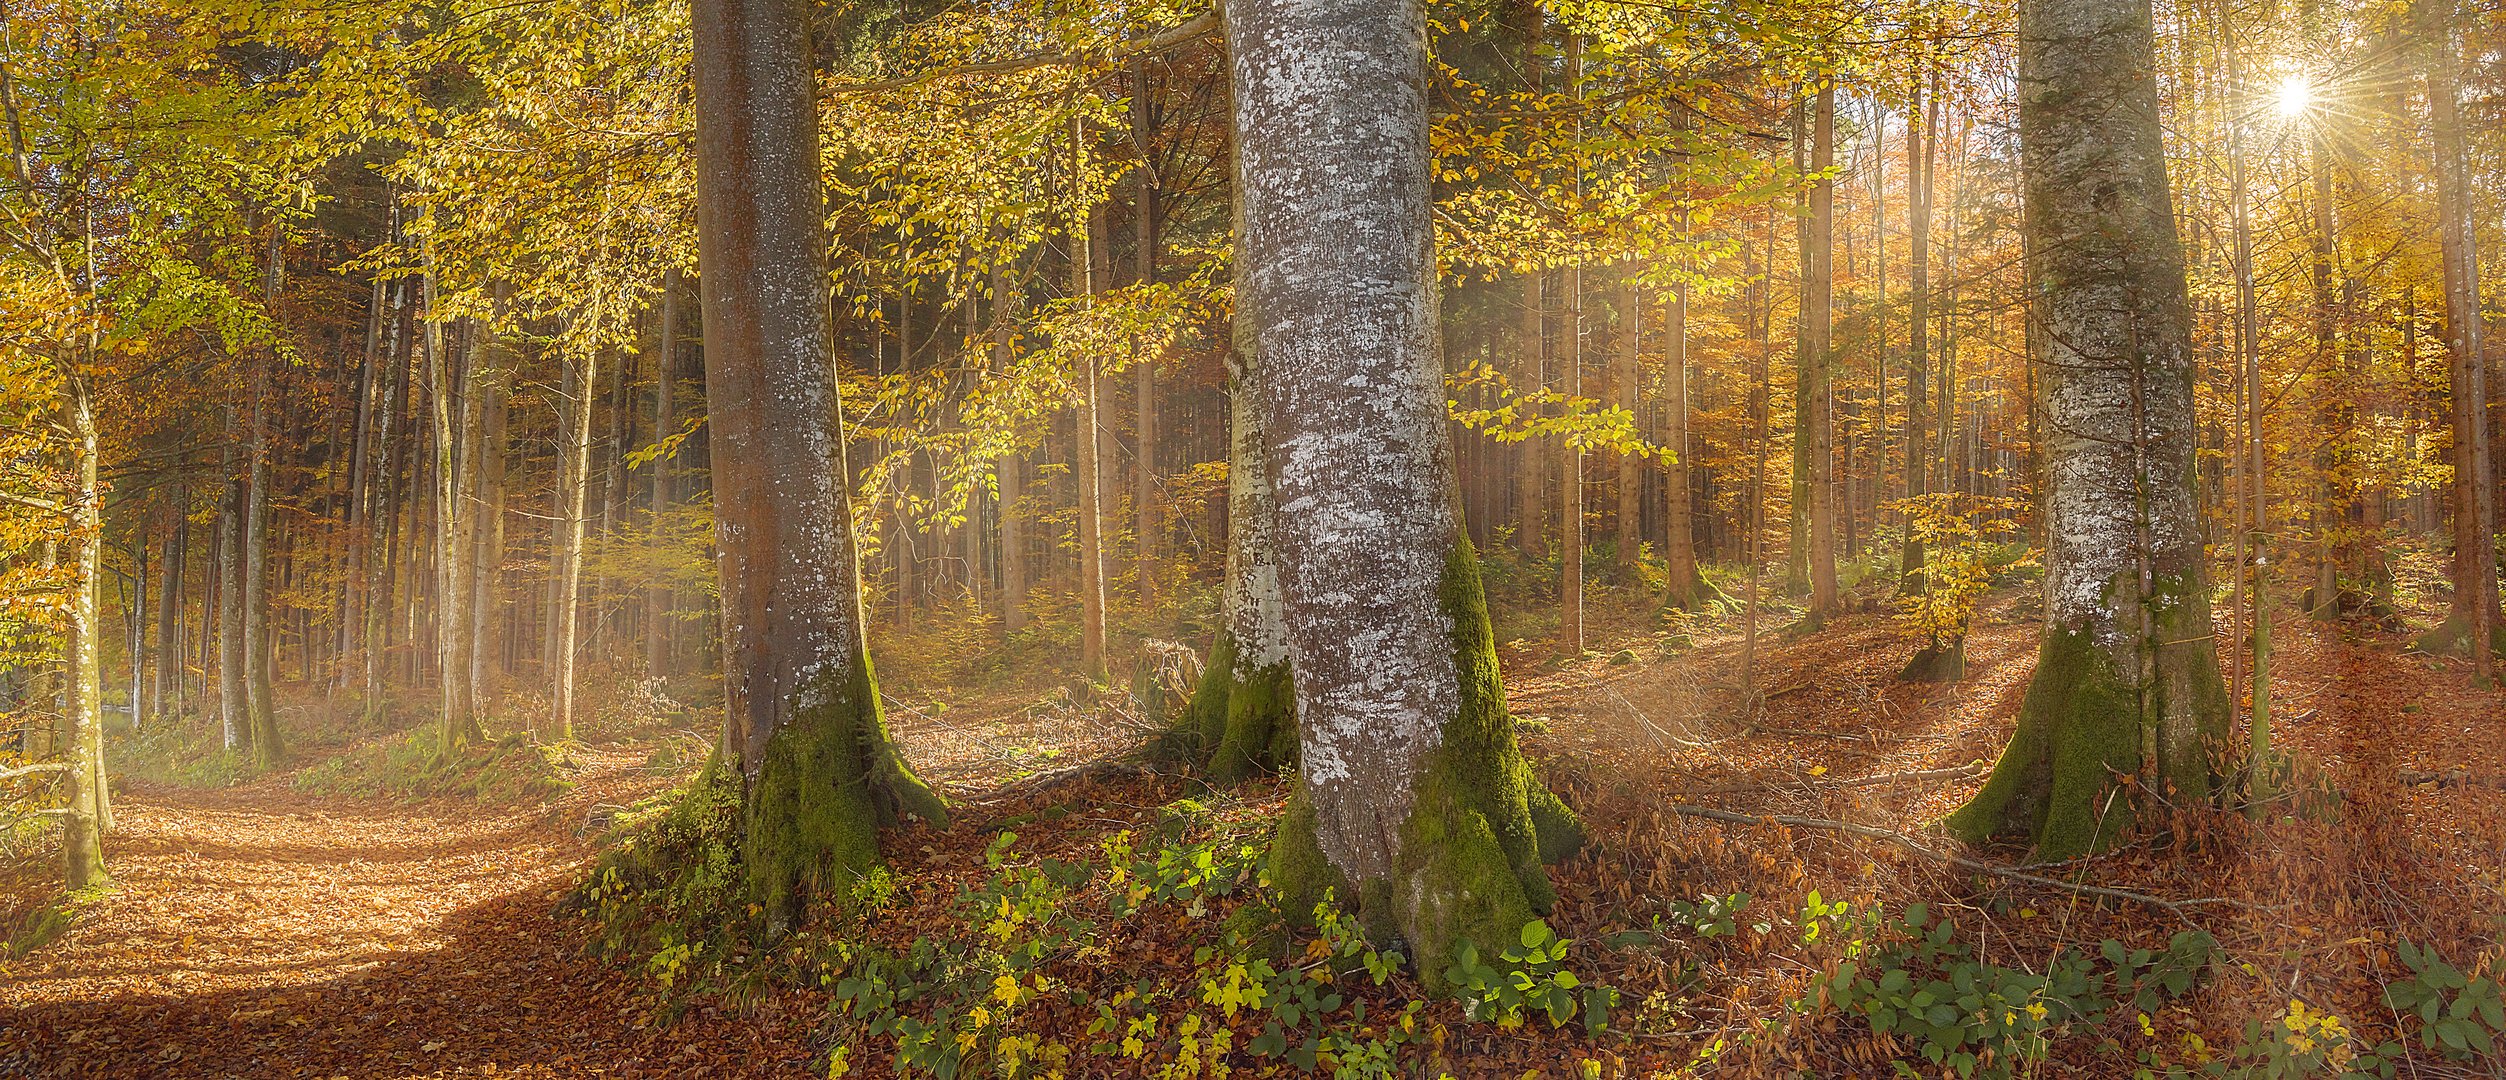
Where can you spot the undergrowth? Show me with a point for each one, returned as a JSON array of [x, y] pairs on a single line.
[[504, 770]]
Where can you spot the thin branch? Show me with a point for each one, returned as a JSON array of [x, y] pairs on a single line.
[[30, 770], [1951, 858]]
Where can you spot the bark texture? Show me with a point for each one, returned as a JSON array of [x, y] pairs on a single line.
[[2127, 679], [803, 718], [1412, 797]]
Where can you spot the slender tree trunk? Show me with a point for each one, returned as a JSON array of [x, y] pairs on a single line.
[[2127, 679], [1687, 589], [658, 603], [1411, 796], [2474, 616], [254, 601], [804, 724], [1087, 434], [1009, 473], [234, 718], [383, 506], [167, 690], [1146, 528], [1571, 455], [1531, 456], [457, 724], [1920, 126], [487, 605], [1626, 366], [1818, 410], [575, 457], [90, 810]]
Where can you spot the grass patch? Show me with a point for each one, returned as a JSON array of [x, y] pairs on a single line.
[[504, 770]]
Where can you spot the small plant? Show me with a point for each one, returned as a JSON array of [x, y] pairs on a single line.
[[1961, 536], [1531, 977], [2460, 1015], [1920, 982]]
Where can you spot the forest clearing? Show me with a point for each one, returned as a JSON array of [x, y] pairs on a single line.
[[1478, 538]]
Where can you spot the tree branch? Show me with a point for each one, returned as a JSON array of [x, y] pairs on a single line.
[[30, 770], [1916, 846]]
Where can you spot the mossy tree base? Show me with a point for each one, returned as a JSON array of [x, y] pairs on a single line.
[[828, 781], [1695, 597], [2080, 728], [1471, 863], [1936, 662], [1240, 724], [2453, 637]]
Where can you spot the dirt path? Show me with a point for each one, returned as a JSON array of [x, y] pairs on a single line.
[[258, 932]]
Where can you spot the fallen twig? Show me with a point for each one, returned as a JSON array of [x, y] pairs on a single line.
[[1916, 846], [1961, 772]]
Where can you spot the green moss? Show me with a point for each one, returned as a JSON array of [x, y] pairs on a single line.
[[2082, 724], [1297, 867], [2453, 636], [1239, 724], [829, 779], [1259, 734], [1481, 827]]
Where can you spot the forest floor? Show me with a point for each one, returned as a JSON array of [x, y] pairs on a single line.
[[260, 931]]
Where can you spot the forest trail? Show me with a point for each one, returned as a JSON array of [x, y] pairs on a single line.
[[261, 932]]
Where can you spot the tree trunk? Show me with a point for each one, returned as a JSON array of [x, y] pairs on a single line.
[[803, 719], [2474, 615], [1411, 795], [1919, 150], [1087, 433], [1818, 298], [383, 507], [2127, 678], [487, 605], [1570, 455], [1626, 365], [457, 725], [1242, 718], [1687, 589], [90, 810], [1146, 528], [1531, 456], [575, 461], [1009, 474], [167, 691], [657, 600]]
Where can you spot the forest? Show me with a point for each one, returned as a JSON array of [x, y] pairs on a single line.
[[1573, 539]]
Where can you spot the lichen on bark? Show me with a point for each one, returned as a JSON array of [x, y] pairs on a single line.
[[830, 778]]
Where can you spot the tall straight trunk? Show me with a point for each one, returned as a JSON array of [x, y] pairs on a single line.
[[1626, 362], [1242, 718], [1086, 433], [487, 605], [1920, 126], [803, 722], [234, 718], [254, 600], [1146, 528], [657, 600], [2474, 617], [1531, 456], [613, 497], [167, 690], [1797, 553], [90, 813], [353, 596], [135, 623], [447, 389], [1570, 455], [2127, 677], [575, 461], [383, 502], [1818, 301], [2249, 362], [1687, 589], [1009, 473], [1411, 795]]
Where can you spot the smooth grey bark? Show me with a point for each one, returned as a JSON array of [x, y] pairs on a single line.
[[488, 536], [1410, 792], [90, 813], [1920, 148], [234, 719], [803, 719], [457, 725], [2127, 679]]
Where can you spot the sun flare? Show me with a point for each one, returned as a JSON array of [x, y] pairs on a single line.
[[2295, 95]]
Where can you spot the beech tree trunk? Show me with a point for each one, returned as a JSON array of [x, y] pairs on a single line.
[[575, 462], [90, 811], [1625, 366], [2127, 677], [2475, 614], [1086, 433], [1242, 718], [1919, 151], [1009, 474], [1687, 589], [803, 718], [1411, 796], [657, 600], [1818, 301]]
